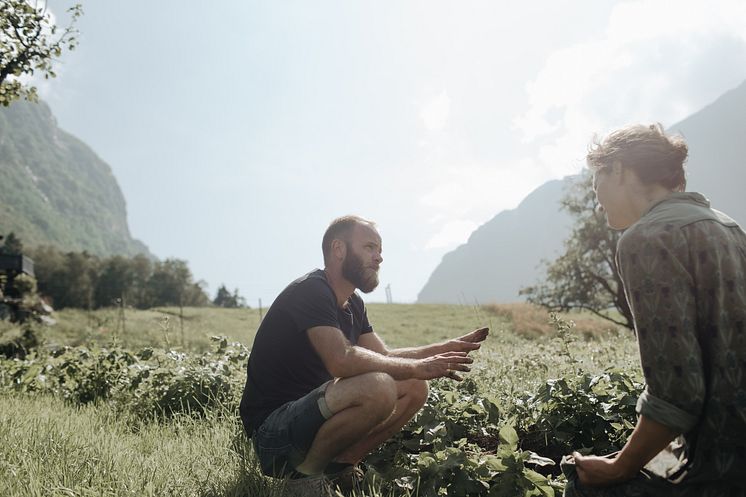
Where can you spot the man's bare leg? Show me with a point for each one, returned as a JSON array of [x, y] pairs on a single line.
[[359, 405], [412, 395]]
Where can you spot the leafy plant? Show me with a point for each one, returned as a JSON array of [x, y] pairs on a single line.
[[458, 445], [593, 413], [151, 384]]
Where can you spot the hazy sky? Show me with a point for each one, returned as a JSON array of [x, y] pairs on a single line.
[[238, 130]]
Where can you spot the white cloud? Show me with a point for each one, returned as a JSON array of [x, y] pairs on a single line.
[[652, 62], [646, 20], [656, 61], [451, 233], [434, 113], [466, 196]]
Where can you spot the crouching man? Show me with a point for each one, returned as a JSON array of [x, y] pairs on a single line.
[[322, 389]]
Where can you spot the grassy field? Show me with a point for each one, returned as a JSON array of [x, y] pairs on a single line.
[[50, 447]]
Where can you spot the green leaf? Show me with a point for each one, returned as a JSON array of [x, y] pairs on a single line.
[[509, 436]]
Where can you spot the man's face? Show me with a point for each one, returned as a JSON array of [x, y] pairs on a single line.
[[363, 259], [612, 195]]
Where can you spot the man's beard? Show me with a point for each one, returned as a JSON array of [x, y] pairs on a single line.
[[355, 272]]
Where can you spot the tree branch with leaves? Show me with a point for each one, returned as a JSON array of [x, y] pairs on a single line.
[[30, 41], [585, 276]]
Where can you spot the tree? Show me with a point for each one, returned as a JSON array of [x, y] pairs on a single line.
[[141, 268], [12, 245], [586, 275], [224, 298], [75, 284], [29, 42], [171, 284], [115, 281]]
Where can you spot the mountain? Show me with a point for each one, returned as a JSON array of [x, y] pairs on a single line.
[[716, 136], [504, 254], [54, 190], [496, 260]]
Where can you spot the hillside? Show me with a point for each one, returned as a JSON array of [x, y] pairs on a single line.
[[55, 190], [717, 152], [504, 255]]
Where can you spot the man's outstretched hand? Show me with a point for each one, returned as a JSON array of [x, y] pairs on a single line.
[[470, 341], [446, 365]]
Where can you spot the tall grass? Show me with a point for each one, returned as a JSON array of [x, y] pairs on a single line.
[[49, 448]]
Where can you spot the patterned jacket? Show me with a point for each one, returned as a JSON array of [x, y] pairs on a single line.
[[683, 266]]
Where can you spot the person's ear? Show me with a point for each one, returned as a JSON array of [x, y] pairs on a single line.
[[339, 249]]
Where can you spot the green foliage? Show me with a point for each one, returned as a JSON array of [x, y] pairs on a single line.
[[85, 281], [171, 284], [224, 298], [30, 43], [593, 413], [178, 383], [51, 448], [55, 190], [585, 276], [17, 341], [580, 412], [24, 285], [491, 435], [460, 445], [12, 245], [151, 384]]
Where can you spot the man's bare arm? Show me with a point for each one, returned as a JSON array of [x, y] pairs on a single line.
[[342, 359], [465, 343]]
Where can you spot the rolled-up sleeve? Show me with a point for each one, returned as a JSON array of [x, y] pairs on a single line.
[[653, 265]]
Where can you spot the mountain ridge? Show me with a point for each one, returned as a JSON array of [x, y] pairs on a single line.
[[55, 190], [486, 269]]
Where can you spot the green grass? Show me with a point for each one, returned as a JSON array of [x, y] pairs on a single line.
[[49, 448], [158, 327]]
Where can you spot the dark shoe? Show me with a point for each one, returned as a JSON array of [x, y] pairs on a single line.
[[348, 478], [308, 486]]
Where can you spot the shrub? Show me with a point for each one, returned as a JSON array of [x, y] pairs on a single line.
[[590, 413], [151, 384]]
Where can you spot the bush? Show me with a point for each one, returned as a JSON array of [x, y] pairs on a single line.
[[16, 340], [591, 413], [459, 444], [151, 384]]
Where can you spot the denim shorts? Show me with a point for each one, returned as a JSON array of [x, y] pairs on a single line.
[[282, 441]]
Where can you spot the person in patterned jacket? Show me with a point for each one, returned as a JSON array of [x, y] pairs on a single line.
[[683, 266]]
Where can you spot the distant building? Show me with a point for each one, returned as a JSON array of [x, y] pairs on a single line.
[[16, 264], [10, 267]]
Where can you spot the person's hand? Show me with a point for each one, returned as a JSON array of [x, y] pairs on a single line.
[[595, 471], [470, 341], [443, 365]]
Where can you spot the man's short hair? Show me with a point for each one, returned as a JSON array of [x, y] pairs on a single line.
[[339, 229], [656, 157]]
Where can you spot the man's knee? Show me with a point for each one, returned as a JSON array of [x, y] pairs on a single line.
[[417, 391], [376, 392], [379, 391], [422, 391]]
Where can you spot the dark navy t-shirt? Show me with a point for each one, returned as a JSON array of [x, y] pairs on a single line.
[[283, 365]]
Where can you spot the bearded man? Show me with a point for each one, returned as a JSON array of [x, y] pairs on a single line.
[[322, 389]]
